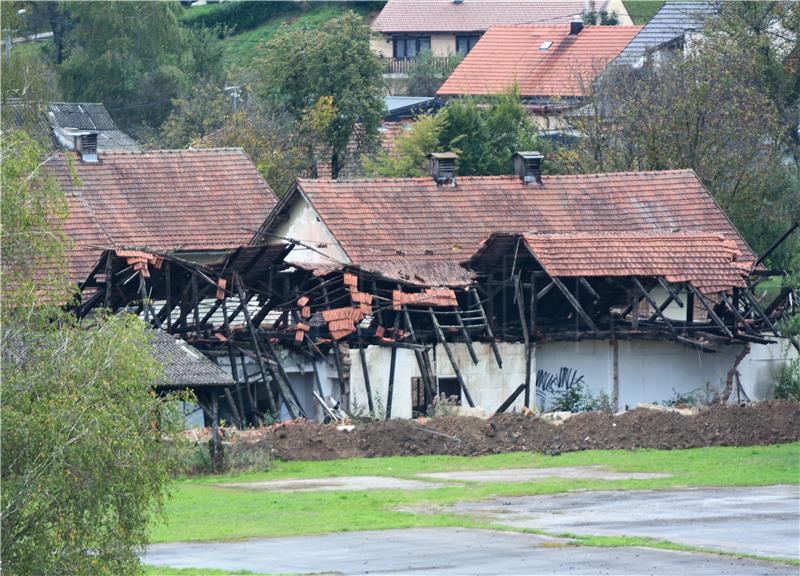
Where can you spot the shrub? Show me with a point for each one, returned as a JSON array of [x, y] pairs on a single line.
[[788, 381], [238, 16]]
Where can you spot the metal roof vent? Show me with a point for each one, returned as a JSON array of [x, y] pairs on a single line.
[[575, 26], [528, 166], [86, 144], [443, 167]]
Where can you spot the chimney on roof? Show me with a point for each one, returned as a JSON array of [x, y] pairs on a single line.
[[528, 166], [575, 26], [443, 167], [458, 1], [86, 144]]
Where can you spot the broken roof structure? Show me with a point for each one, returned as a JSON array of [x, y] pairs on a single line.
[[169, 200], [184, 366], [542, 61], [418, 231], [470, 15]]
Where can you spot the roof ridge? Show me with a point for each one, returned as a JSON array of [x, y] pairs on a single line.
[[172, 151]]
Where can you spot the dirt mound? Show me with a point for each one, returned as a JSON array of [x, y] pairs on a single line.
[[762, 423]]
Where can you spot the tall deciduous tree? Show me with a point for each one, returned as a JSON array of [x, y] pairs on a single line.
[[83, 462], [300, 67], [708, 109]]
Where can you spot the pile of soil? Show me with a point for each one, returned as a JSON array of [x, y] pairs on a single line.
[[773, 422]]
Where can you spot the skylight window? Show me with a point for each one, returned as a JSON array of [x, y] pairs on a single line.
[[546, 45]]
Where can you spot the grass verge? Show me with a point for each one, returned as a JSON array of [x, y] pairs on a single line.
[[201, 510]]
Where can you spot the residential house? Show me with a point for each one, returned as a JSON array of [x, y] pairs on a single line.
[[551, 66], [667, 32], [404, 28]]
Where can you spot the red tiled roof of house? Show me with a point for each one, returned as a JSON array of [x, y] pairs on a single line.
[[411, 228], [177, 199], [470, 15], [706, 260], [508, 55]]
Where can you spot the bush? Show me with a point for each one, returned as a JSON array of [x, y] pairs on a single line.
[[693, 399], [238, 16], [580, 398], [788, 381]]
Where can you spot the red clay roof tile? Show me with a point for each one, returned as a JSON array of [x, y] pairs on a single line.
[[508, 55], [412, 229], [187, 199], [471, 15]]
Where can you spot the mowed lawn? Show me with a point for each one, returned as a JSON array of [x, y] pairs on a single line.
[[201, 510]]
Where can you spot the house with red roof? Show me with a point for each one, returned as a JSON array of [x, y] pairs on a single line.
[[551, 65]]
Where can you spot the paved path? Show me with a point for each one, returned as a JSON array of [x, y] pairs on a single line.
[[764, 520], [528, 474], [446, 551], [337, 483]]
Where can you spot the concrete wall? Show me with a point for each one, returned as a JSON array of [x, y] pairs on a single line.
[[488, 385], [653, 371]]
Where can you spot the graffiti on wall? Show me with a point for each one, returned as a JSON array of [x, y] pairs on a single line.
[[549, 385]]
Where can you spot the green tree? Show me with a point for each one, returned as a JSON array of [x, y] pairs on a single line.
[[410, 155], [707, 110], [203, 111], [335, 60], [134, 57], [83, 464], [485, 134], [429, 73]]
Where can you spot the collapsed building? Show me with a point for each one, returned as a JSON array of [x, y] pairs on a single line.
[[380, 295]]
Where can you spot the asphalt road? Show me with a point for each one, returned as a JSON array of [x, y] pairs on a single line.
[[764, 521], [446, 551]]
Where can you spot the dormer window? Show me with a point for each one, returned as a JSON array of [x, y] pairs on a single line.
[[410, 46]]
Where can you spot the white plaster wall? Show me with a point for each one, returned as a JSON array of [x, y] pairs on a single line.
[[618, 7], [304, 224], [381, 44], [378, 359], [488, 385], [652, 371], [591, 359], [443, 44]]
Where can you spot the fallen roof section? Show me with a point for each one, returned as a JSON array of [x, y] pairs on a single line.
[[544, 61], [470, 15], [184, 366]]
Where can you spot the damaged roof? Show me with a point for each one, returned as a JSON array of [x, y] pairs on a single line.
[[470, 15], [707, 260], [167, 200], [184, 365], [415, 230], [540, 60]]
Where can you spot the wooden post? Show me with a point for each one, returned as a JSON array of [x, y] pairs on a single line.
[[615, 374], [655, 306], [257, 349], [575, 304], [168, 283], [336, 356], [689, 305], [363, 355], [231, 358], [525, 336], [510, 400], [109, 279], [232, 405], [467, 339], [489, 333], [717, 320], [392, 365], [453, 363], [216, 453]]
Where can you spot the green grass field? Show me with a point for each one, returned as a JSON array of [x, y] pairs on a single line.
[[199, 510], [641, 11]]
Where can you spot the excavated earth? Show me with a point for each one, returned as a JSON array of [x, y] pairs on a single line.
[[771, 422]]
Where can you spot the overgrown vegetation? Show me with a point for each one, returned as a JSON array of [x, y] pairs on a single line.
[[788, 381], [83, 465]]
